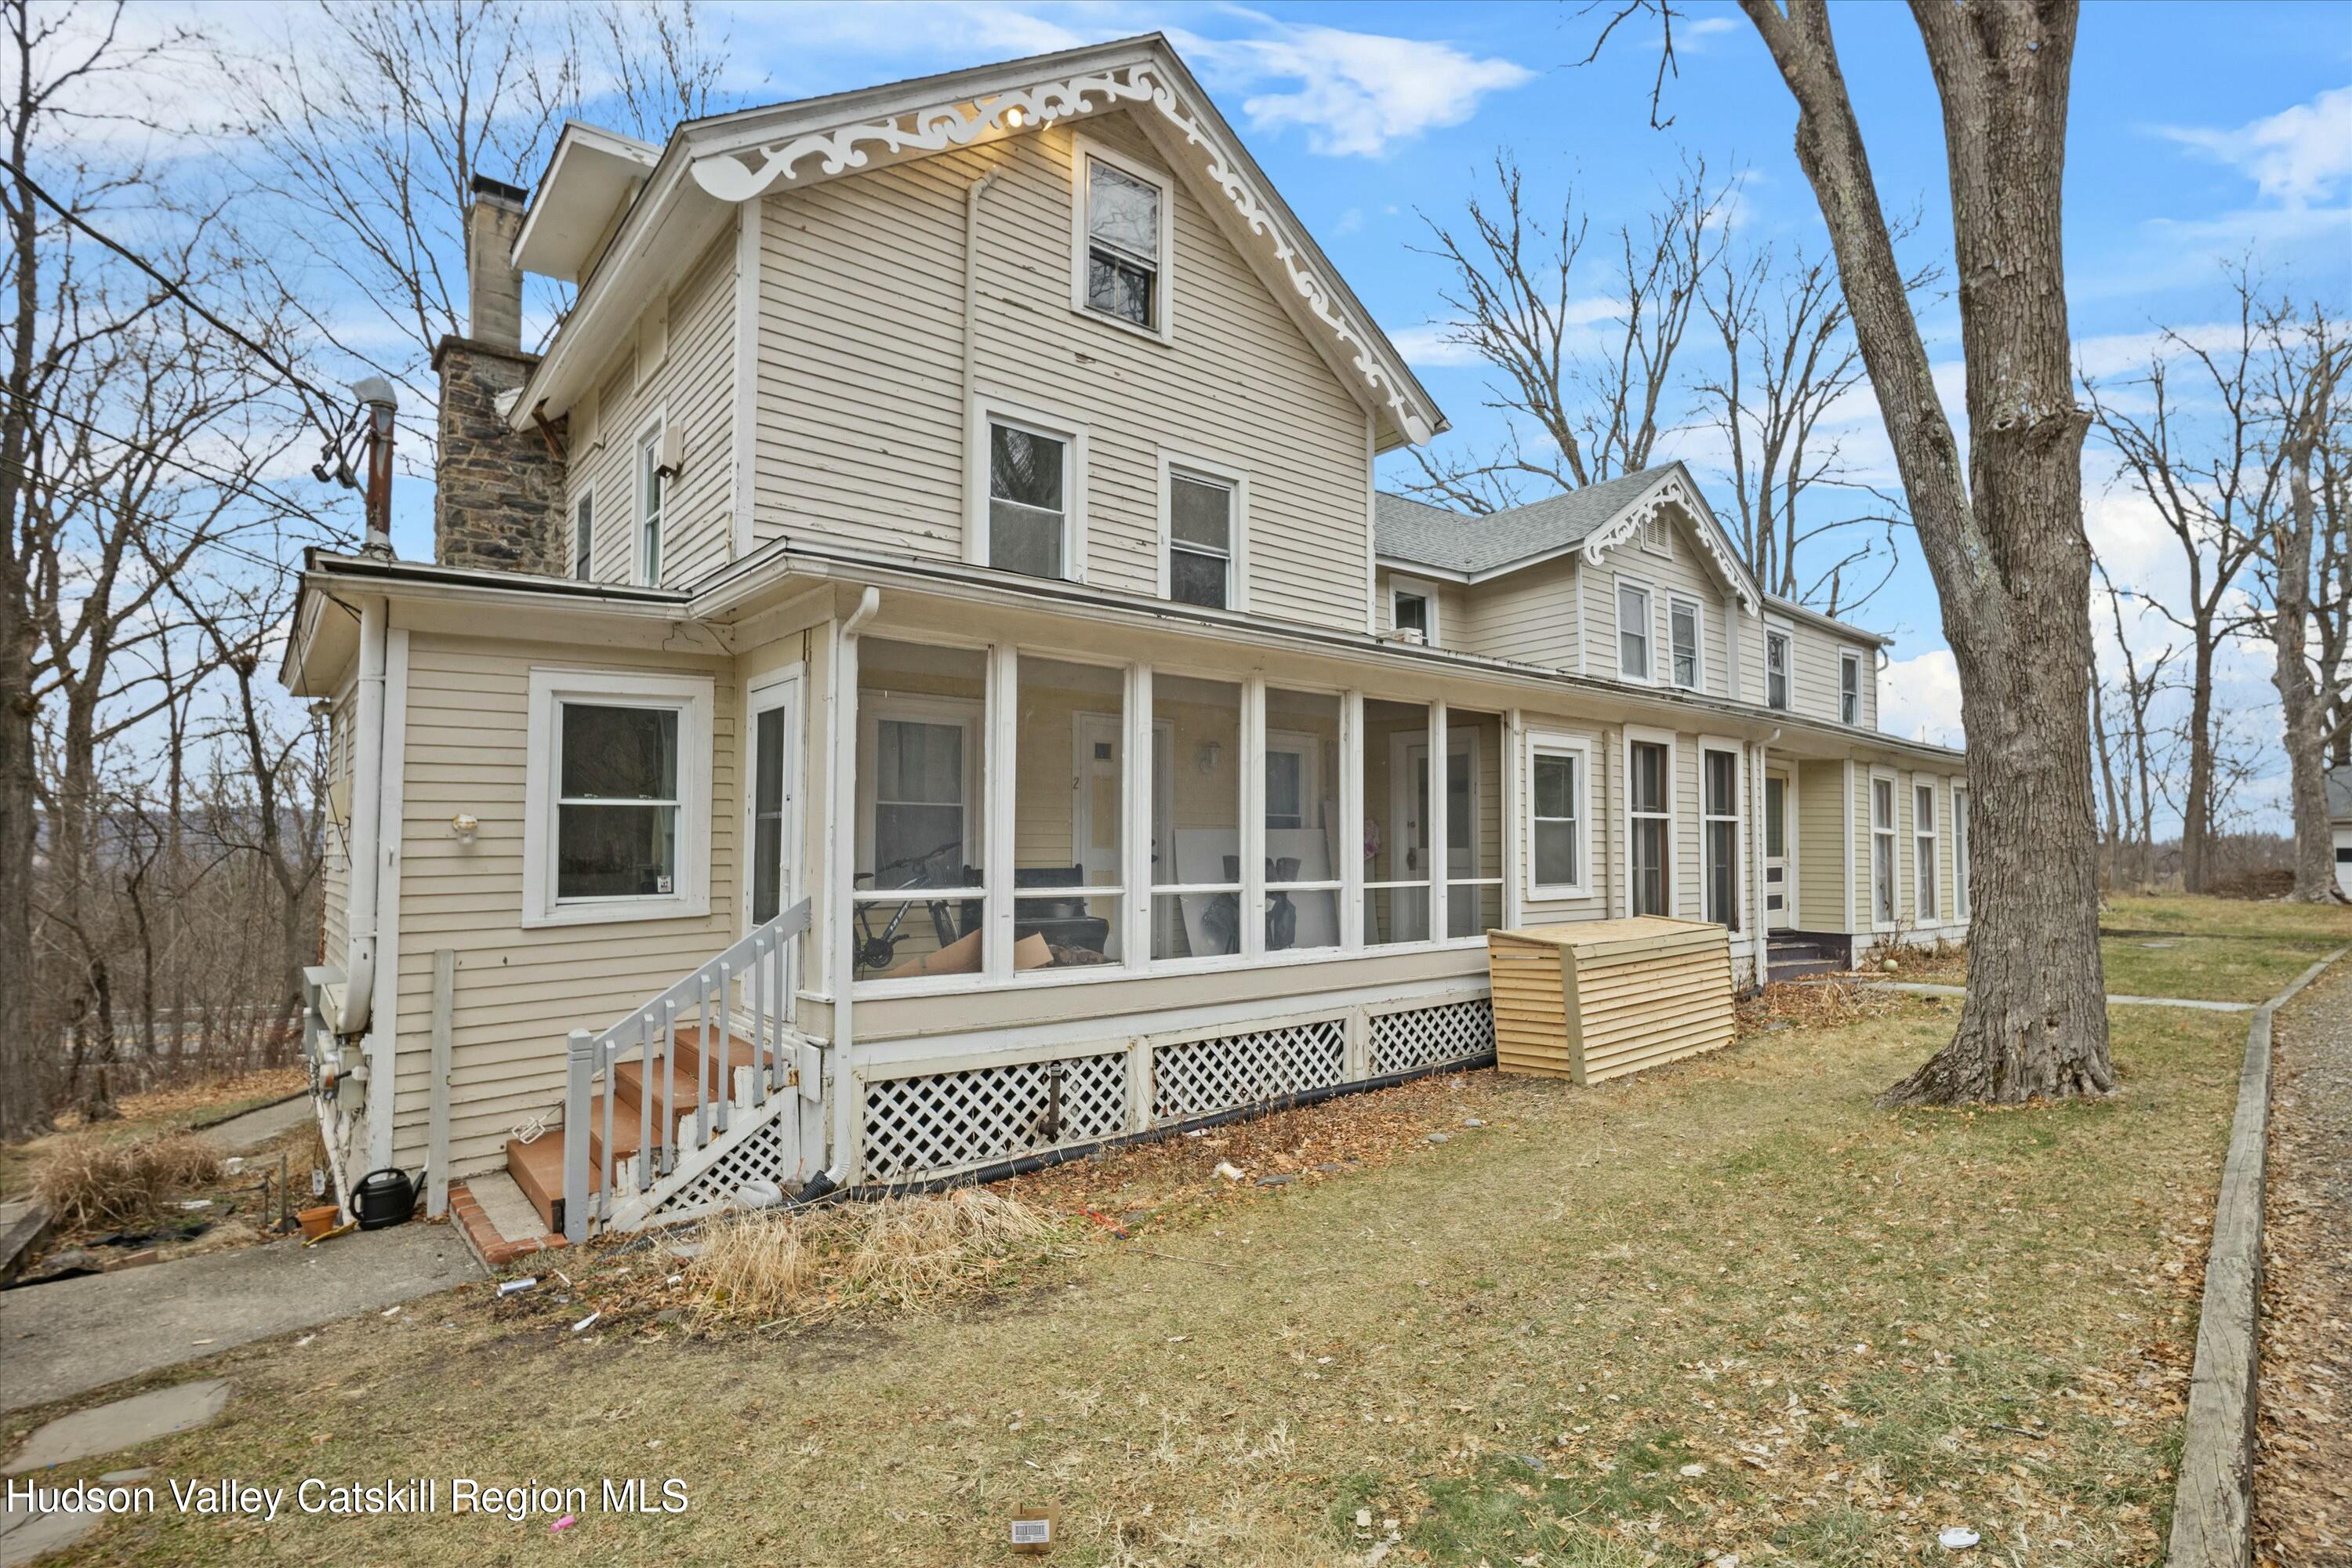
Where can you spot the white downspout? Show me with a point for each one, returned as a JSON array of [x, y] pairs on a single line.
[[974, 459], [367, 804]]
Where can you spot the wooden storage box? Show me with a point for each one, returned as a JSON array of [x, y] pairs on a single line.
[[1604, 998]]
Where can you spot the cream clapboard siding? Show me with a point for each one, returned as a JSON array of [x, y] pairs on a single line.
[[860, 436], [519, 992], [335, 865], [1529, 615], [1820, 858], [1680, 575], [1456, 612], [691, 385]]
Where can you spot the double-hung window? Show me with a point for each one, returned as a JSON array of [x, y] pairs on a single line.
[[1649, 768], [1632, 632], [1029, 487], [1682, 622], [615, 809], [583, 519], [1923, 848], [1409, 614], [1121, 269], [1882, 852], [1556, 816], [1203, 539], [653, 490], [1719, 811], [1778, 651], [1850, 688]]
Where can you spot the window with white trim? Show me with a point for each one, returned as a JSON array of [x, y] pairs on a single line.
[[1779, 654], [1649, 811], [1200, 543], [653, 490], [583, 519], [1849, 687], [1029, 487], [1558, 847], [1882, 852], [1960, 852], [1633, 631], [616, 823], [1719, 832], [1923, 848], [1412, 611], [1682, 624], [1121, 267]]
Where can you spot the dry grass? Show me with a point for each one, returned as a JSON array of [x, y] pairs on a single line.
[[88, 1181], [811, 1264]]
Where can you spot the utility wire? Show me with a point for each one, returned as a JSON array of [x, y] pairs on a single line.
[[252, 489]]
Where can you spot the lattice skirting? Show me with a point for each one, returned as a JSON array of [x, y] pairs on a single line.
[[1198, 1077], [1425, 1037], [949, 1120], [761, 1153]]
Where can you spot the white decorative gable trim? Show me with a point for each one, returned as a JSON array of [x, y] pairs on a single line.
[[742, 174], [1627, 527]]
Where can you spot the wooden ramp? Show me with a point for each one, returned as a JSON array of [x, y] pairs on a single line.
[[1603, 998]]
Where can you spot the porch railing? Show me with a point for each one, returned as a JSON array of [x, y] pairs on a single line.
[[744, 995]]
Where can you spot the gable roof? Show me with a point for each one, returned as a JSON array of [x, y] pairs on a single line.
[[710, 166]]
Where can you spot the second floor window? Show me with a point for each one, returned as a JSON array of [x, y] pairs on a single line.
[[1028, 506], [1632, 632], [1850, 689], [1682, 618], [1409, 611], [652, 490], [1776, 670], [1123, 228], [1200, 541]]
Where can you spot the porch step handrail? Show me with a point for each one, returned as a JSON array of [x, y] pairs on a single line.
[[754, 981]]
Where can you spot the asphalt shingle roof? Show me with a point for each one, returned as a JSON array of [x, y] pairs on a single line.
[[1460, 541]]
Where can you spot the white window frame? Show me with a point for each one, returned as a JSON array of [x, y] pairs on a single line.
[[690, 695], [1672, 845], [991, 408], [1708, 744], [1415, 588], [584, 541], [645, 565], [1960, 794], [1698, 641], [1927, 897], [1890, 831], [1084, 149], [1174, 465], [1578, 750], [1850, 660], [1618, 590], [1786, 636], [967, 713]]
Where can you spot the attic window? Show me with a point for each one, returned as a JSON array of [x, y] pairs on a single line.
[[1121, 266], [1653, 534]]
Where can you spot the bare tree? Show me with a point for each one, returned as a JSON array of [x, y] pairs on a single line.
[[1584, 352], [2207, 483], [2131, 799], [2312, 358], [2001, 528]]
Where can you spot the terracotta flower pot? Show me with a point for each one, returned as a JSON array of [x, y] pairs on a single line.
[[317, 1221]]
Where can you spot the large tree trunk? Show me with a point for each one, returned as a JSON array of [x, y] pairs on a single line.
[[2197, 802], [2004, 539], [25, 1069], [2299, 697]]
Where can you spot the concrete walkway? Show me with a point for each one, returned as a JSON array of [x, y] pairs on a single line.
[[258, 1126], [66, 1338], [1922, 988]]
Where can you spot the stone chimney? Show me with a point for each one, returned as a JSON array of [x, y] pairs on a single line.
[[499, 492]]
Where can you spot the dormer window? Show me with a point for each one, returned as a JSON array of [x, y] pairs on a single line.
[[1121, 271]]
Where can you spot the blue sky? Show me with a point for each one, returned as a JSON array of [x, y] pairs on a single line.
[[2200, 132]]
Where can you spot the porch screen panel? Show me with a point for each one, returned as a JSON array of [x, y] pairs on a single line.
[[1650, 825], [1196, 816], [1395, 849], [1070, 748], [1303, 863], [1473, 823], [919, 883]]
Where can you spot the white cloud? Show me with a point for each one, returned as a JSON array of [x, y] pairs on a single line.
[[1920, 698], [1353, 94], [2295, 157], [1431, 344]]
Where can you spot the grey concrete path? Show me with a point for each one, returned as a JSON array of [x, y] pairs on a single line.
[[257, 1127], [1922, 988], [74, 1335]]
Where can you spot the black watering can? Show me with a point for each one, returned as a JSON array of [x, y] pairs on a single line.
[[386, 1197]]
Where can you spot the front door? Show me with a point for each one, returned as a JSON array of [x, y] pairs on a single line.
[[771, 809], [1779, 891]]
